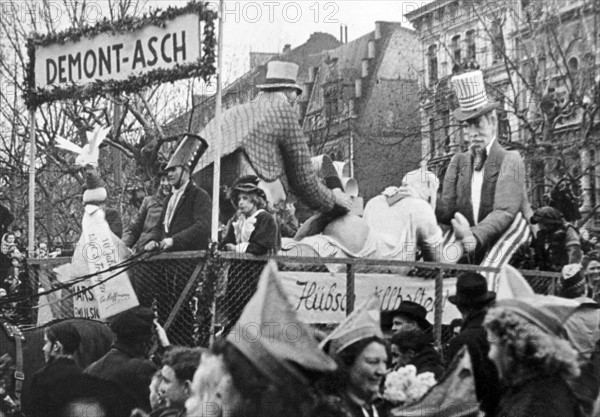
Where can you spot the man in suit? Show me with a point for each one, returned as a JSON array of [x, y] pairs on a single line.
[[484, 188], [186, 219]]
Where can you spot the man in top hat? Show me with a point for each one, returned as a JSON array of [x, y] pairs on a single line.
[[273, 144], [186, 219], [139, 231], [408, 316], [486, 184], [473, 300]]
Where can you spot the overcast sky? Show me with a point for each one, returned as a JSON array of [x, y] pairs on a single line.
[[267, 26]]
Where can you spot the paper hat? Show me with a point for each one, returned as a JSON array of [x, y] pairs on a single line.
[[272, 337], [281, 75], [469, 88], [94, 193], [548, 312], [363, 323], [188, 153], [572, 281]]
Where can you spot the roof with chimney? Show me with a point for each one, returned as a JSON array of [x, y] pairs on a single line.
[[243, 89]]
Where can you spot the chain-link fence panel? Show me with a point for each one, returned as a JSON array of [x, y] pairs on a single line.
[[197, 295]]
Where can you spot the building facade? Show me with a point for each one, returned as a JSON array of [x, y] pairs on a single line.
[[539, 61], [362, 106]]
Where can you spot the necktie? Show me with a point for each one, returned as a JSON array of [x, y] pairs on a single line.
[[480, 157]]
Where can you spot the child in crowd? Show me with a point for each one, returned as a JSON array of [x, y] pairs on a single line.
[[253, 229]]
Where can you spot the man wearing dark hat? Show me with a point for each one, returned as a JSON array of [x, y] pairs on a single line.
[[557, 242], [273, 145], [473, 300], [61, 341], [139, 231], [186, 219], [126, 363], [486, 185], [408, 316]]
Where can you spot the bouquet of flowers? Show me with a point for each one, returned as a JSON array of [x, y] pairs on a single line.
[[404, 386]]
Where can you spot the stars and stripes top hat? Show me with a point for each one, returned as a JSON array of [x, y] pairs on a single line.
[[469, 88], [281, 75]]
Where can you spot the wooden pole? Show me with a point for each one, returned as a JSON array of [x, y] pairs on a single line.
[[219, 138], [31, 225]]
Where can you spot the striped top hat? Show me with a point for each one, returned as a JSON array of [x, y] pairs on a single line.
[[281, 75], [188, 152], [469, 88]]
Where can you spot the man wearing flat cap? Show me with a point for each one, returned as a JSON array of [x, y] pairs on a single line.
[[483, 188], [127, 363], [473, 299]]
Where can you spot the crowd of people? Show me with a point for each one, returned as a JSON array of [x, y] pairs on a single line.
[[527, 359], [534, 356]]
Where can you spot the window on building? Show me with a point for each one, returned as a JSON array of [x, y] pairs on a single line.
[[432, 137], [498, 46], [471, 49], [432, 64], [456, 49], [446, 124]]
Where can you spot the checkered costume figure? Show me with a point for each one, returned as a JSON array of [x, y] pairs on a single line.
[[268, 132]]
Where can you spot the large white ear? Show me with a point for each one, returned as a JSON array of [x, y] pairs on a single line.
[[67, 145], [96, 137]]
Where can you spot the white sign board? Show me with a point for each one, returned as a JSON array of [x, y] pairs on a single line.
[[321, 297], [117, 56]]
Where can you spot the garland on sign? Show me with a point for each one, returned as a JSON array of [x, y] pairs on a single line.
[[205, 69]]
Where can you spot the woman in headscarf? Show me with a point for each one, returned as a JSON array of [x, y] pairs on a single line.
[[533, 357]]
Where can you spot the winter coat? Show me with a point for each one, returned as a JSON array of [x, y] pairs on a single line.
[[191, 221], [259, 235], [47, 392], [133, 373], [139, 231], [538, 396], [474, 336], [428, 360]]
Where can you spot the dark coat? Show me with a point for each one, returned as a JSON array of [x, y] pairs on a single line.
[[49, 386], [503, 193], [131, 372], [113, 218], [264, 238], [191, 222], [428, 360], [139, 231], [538, 396], [6, 218], [474, 336]]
